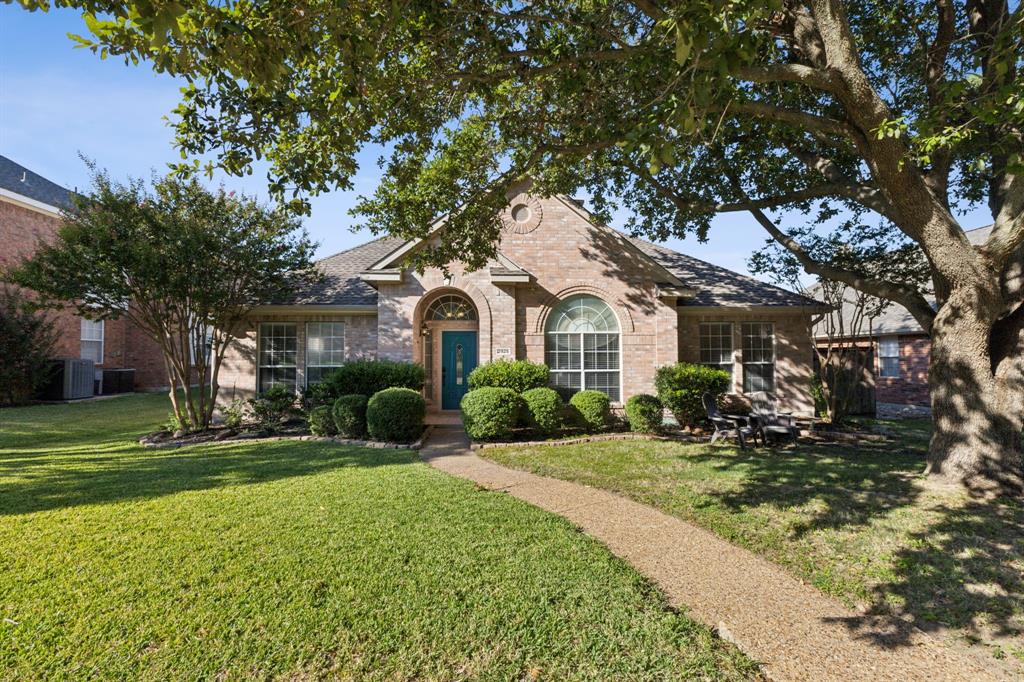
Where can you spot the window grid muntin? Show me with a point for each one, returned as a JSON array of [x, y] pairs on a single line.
[[448, 307], [716, 345], [278, 351], [581, 314], [325, 349], [889, 357], [758, 348], [91, 340], [582, 348]]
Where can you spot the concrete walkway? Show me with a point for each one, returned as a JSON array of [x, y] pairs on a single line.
[[791, 628]]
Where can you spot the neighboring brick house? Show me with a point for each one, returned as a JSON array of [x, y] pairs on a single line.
[[899, 348], [601, 309], [30, 213]]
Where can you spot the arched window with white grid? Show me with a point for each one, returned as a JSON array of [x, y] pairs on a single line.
[[582, 346]]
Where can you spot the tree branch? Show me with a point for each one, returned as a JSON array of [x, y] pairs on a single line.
[[788, 73], [796, 118], [866, 195], [909, 298], [1008, 231]]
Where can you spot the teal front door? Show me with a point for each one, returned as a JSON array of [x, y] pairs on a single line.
[[458, 358]]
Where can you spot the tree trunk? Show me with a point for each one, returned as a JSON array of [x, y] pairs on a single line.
[[977, 401]]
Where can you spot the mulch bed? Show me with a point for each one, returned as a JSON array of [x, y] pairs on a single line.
[[813, 433], [290, 431], [526, 439]]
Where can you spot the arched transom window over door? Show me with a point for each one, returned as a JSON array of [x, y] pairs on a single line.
[[450, 307], [582, 346]]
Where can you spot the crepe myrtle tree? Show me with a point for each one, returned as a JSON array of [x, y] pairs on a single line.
[[908, 110], [183, 263], [841, 359]]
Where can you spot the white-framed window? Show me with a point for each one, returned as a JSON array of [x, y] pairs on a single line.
[[716, 345], [278, 352], [325, 349], [92, 341], [758, 346], [889, 356], [582, 346], [207, 348]]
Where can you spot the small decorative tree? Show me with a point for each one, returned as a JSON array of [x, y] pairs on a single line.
[[183, 263], [26, 343], [850, 315]]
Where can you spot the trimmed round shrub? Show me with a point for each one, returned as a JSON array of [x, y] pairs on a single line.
[[565, 392], [490, 413], [518, 375], [321, 423], [543, 407], [643, 412], [349, 413], [367, 377], [593, 407], [395, 415], [682, 385]]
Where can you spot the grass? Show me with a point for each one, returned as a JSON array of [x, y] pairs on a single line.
[[859, 522], [301, 560]]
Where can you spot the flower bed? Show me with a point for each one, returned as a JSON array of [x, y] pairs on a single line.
[[165, 439]]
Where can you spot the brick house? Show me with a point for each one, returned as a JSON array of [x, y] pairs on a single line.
[[601, 309], [898, 349], [30, 213]]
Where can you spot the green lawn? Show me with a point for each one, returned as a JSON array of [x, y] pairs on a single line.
[[301, 560], [859, 522]]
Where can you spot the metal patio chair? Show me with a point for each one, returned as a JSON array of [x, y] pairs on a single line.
[[769, 422], [728, 425]]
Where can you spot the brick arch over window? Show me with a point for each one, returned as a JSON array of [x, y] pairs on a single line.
[[553, 301], [435, 287]]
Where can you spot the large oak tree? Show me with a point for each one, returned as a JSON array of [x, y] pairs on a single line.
[[878, 119]]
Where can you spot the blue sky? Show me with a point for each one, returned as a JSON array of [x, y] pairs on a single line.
[[57, 101]]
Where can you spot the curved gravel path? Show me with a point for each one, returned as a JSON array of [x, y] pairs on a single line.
[[792, 629]]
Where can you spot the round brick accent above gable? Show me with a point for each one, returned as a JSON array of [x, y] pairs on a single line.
[[523, 203]]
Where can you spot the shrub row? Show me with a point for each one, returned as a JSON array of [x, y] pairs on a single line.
[[518, 375], [364, 377], [393, 415], [681, 387]]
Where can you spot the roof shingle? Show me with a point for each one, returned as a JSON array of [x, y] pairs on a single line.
[[718, 286], [16, 178], [341, 284]]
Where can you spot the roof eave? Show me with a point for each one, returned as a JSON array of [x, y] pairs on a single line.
[[392, 275]]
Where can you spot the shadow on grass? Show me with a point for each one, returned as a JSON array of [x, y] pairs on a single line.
[[962, 571], [37, 480]]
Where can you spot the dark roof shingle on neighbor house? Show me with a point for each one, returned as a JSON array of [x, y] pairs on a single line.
[[896, 319], [16, 178]]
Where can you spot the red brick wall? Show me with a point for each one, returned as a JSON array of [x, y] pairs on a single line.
[[22, 229], [911, 386]]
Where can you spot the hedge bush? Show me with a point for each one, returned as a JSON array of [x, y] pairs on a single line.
[[680, 387], [321, 422], [27, 341], [490, 413], [272, 408], [644, 412], [593, 407], [368, 377], [518, 375], [543, 407], [395, 415], [349, 413]]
